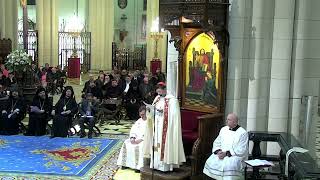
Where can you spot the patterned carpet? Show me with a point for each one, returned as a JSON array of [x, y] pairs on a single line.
[[23, 157], [106, 168]]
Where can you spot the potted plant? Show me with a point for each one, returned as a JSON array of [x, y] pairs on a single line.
[[18, 61]]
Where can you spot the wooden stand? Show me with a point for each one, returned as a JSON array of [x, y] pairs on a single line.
[[74, 67], [154, 64]]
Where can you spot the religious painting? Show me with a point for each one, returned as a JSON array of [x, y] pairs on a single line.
[[202, 65], [122, 3]]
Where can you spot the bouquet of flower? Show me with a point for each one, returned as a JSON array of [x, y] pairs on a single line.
[[17, 60]]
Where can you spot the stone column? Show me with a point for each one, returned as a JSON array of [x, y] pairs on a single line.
[[305, 71], [101, 23], [47, 26], [260, 53], [250, 28], [9, 21], [280, 69], [236, 97]]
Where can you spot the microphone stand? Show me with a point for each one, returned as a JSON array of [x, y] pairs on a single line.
[[153, 136], [153, 139]]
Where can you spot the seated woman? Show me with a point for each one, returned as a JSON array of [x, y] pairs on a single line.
[[63, 113], [87, 110], [40, 110], [131, 153], [13, 113]]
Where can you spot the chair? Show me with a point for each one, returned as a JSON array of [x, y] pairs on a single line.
[[200, 130], [106, 113], [76, 127], [189, 127]]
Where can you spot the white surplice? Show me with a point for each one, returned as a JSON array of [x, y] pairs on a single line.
[[131, 155], [236, 142], [173, 152]]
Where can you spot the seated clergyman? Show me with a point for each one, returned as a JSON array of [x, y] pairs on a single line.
[[131, 153], [229, 150]]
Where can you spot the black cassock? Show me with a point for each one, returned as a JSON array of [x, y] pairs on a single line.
[[10, 126], [62, 123], [38, 121]]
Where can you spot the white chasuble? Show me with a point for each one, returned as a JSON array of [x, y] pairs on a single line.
[[165, 134], [131, 155], [230, 167]]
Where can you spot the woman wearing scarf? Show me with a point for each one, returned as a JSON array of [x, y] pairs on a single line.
[[40, 110], [63, 113]]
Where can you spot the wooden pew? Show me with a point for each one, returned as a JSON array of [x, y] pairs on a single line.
[[208, 130]]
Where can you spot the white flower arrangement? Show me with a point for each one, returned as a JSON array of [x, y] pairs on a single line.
[[17, 60]]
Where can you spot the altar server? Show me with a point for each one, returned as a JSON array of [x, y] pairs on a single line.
[[131, 153], [229, 151]]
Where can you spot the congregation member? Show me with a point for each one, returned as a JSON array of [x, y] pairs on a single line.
[[136, 79], [11, 81], [87, 83], [146, 91], [94, 90], [107, 83], [3, 94], [88, 110], [166, 150], [131, 153], [159, 76], [2, 79], [63, 113], [229, 151], [123, 75], [3, 99], [36, 71], [47, 68], [53, 79], [13, 113], [4, 71], [40, 110], [131, 98], [100, 81], [62, 74], [114, 91]]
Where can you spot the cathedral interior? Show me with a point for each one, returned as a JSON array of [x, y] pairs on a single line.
[[259, 59]]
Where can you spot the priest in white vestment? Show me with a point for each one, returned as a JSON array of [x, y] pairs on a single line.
[[131, 153], [163, 137], [230, 149]]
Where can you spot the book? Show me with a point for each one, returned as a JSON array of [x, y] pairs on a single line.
[[258, 162], [87, 116]]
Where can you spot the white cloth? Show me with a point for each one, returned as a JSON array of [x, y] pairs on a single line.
[[131, 155], [173, 147], [236, 142], [127, 87]]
